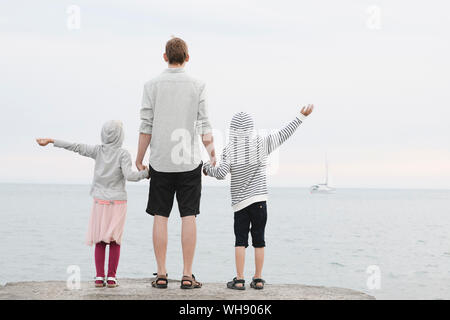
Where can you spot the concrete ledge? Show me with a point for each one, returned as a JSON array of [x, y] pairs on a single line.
[[141, 289]]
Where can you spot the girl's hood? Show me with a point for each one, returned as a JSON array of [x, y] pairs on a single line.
[[112, 133]]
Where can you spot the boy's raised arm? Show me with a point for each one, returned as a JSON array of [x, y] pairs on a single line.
[[274, 140]]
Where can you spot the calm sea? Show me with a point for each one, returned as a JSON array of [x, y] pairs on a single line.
[[327, 240]]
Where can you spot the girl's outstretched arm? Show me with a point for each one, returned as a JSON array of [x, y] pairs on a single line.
[[127, 171], [83, 149], [276, 139]]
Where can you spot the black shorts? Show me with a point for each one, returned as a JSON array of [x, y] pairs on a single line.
[[164, 185], [251, 219]]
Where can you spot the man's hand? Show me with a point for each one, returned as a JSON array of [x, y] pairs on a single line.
[[306, 111], [140, 166], [212, 160], [44, 141]]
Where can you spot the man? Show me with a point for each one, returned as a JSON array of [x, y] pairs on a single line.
[[173, 114]]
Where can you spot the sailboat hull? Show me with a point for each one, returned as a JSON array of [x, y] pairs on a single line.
[[322, 189]]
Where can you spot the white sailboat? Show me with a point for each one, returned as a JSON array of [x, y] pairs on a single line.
[[323, 187]]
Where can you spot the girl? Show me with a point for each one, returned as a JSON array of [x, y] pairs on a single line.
[[112, 168], [245, 157]]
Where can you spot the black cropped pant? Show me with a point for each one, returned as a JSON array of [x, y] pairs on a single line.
[[251, 219]]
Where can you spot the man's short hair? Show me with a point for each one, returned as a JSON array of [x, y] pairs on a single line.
[[176, 51]]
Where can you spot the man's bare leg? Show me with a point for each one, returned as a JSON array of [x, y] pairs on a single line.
[[188, 242], [259, 262], [239, 253], [160, 243]]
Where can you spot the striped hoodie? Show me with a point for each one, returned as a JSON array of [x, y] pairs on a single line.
[[245, 158]]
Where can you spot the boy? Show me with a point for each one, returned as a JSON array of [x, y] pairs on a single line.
[[173, 115], [245, 157]]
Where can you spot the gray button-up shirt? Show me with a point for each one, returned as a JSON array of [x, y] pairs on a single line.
[[174, 112]]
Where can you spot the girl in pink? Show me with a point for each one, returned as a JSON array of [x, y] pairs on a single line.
[[112, 169]]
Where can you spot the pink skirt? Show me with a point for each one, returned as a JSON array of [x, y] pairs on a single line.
[[107, 221]]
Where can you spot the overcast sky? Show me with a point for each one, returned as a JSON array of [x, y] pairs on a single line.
[[377, 71]]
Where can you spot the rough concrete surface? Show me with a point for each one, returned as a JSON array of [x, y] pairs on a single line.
[[138, 289]]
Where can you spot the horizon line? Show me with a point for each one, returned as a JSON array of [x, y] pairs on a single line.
[[218, 186]]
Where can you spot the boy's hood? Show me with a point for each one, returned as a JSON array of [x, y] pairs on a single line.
[[241, 126], [112, 133]]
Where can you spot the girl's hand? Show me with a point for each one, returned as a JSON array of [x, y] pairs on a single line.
[[44, 141], [306, 111]]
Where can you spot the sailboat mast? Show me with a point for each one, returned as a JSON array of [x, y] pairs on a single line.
[[326, 170]]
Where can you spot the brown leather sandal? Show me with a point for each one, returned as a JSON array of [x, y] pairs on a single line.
[[193, 284], [160, 277]]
